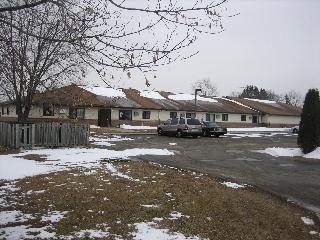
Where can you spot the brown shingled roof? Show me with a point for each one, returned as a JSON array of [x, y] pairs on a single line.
[[271, 108], [74, 95], [71, 95]]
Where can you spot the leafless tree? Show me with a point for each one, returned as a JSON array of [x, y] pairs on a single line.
[[206, 86], [43, 42], [293, 98]]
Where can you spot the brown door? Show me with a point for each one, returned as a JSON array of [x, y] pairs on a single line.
[[254, 119], [104, 118]]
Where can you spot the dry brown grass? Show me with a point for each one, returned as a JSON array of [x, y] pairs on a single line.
[[211, 210]]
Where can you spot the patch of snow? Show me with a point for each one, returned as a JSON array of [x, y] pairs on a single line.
[[314, 154], [236, 102], [13, 166], [289, 152], [282, 152], [151, 94], [90, 233], [54, 216], [242, 135], [259, 129], [176, 215], [149, 206], [94, 126], [261, 101], [307, 221], [148, 231], [125, 126], [25, 232], [190, 97], [13, 216], [105, 91], [115, 172], [172, 144], [234, 185], [314, 233]]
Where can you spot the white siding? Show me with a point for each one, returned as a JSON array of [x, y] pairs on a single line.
[[272, 119]]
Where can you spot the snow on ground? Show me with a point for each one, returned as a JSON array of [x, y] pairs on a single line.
[[54, 216], [102, 141], [234, 185], [26, 232], [13, 216], [151, 94], [150, 232], [149, 206], [124, 126], [289, 152], [259, 129], [307, 221], [104, 91], [13, 166]]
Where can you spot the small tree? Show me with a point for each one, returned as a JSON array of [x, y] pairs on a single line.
[[309, 129], [206, 86]]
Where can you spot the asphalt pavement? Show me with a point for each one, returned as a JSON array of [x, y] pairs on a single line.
[[232, 157]]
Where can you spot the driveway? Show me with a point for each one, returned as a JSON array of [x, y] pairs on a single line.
[[232, 158]]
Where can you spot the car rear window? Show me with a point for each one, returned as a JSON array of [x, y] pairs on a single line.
[[211, 124], [193, 121]]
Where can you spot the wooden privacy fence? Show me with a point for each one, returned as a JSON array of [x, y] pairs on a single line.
[[17, 135]]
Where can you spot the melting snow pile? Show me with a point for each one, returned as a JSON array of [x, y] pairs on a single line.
[[290, 152]]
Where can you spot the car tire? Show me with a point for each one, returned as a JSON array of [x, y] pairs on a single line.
[[160, 132], [216, 135], [295, 130], [179, 134]]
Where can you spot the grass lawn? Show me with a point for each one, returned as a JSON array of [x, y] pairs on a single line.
[[126, 199]]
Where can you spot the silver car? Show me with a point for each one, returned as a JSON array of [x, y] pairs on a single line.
[[180, 127]]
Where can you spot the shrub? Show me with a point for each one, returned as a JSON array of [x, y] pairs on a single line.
[[309, 129]]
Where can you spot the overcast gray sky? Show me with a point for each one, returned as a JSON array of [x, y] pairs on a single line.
[[273, 44]]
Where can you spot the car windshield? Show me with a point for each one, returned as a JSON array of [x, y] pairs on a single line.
[[193, 121], [211, 124]]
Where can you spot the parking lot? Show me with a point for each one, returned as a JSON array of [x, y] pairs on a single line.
[[232, 157]]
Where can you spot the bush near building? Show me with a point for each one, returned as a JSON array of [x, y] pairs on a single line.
[[309, 129]]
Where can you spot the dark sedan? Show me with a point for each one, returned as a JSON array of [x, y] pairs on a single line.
[[212, 129]]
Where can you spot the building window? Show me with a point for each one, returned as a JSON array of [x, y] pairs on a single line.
[[146, 114], [208, 117], [48, 110], [2, 110], [190, 115], [8, 111], [173, 114], [243, 118], [125, 115], [224, 117], [76, 113]]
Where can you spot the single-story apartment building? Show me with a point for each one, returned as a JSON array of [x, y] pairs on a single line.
[[273, 113], [106, 107]]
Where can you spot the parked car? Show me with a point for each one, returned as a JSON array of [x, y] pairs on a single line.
[[295, 129], [180, 127], [212, 129]]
